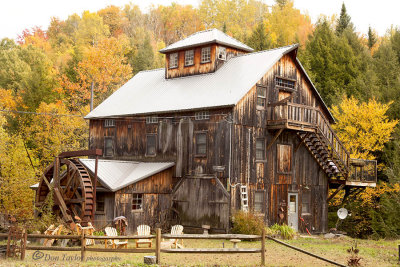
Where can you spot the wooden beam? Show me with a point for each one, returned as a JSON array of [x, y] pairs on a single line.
[[62, 205], [81, 153], [335, 193], [301, 142], [274, 139]]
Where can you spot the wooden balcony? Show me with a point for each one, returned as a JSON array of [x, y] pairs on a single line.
[[323, 143]]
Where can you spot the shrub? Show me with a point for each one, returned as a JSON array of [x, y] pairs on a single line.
[[284, 231], [247, 223]]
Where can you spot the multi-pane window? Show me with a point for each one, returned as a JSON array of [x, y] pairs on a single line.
[[205, 54], [151, 147], [284, 158], [152, 119], [285, 83], [222, 53], [99, 203], [258, 201], [189, 57], [261, 98], [202, 115], [173, 60], [260, 148], [109, 123], [108, 146], [201, 143], [137, 201], [305, 202]]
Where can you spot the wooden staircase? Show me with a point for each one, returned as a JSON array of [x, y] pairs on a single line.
[[321, 141]]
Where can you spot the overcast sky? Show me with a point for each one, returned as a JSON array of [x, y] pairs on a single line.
[[17, 15]]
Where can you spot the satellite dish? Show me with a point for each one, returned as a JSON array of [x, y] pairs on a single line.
[[342, 213]]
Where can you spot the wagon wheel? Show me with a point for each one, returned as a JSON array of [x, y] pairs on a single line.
[[75, 188]]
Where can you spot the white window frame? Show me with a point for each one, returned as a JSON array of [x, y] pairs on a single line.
[[189, 57], [173, 60], [202, 115], [206, 54], [109, 123], [222, 53], [151, 119]]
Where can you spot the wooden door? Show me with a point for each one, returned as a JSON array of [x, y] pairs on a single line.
[[293, 211]]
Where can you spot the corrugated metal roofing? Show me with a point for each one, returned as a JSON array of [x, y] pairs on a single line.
[[207, 37], [115, 174], [149, 92]]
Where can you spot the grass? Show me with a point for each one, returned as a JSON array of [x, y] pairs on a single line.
[[373, 253]]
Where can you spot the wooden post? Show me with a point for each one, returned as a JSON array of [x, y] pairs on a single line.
[[95, 187], [263, 247], [158, 245], [23, 244], [83, 246], [399, 253]]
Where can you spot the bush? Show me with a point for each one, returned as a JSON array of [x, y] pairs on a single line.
[[284, 231], [247, 223]]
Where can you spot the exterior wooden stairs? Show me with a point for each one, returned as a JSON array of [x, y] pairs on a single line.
[[324, 145]]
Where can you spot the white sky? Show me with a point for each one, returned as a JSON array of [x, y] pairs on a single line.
[[17, 15]]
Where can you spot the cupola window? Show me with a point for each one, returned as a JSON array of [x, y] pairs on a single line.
[[205, 54], [173, 60], [189, 57]]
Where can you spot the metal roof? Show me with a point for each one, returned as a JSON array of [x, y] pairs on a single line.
[[116, 174], [149, 92], [207, 37]]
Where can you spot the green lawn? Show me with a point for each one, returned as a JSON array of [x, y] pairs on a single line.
[[373, 253]]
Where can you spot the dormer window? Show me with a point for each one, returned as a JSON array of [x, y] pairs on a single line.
[[222, 53], [173, 60], [189, 57], [205, 54], [285, 83]]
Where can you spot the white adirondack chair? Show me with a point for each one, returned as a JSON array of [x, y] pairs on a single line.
[[88, 230], [177, 230], [143, 230], [115, 243]]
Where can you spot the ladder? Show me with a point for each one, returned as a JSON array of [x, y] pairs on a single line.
[[244, 198]]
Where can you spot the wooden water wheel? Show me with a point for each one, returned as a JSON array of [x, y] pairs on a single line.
[[72, 188]]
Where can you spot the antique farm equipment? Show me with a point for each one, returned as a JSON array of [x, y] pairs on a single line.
[[16, 242], [73, 191]]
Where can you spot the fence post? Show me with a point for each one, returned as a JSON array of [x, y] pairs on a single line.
[[263, 247], [158, 245], [83, 247], [23, 245]]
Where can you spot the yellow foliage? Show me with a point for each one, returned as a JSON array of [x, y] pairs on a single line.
[[363, 127]]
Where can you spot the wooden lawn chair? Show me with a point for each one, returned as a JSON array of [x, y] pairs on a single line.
[[115, 243], [88, 230], [143, 230], [52, 231], [177, 230]]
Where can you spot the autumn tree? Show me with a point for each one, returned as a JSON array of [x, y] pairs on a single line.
[[364, 127], [112, 17]]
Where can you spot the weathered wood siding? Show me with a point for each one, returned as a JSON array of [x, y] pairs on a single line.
[[156, 207], [104, 219], [202, 201], [197, 67]]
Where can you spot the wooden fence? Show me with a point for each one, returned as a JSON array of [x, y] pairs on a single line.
[[157, 250]]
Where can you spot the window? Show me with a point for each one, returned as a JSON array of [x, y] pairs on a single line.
[[261, 98], [100, 203], [260, 149], [151, 145], [201, 143], [285, 83], [222, 53], [305, 202], [202, 115], [205, 54], [109, 123], [284, 158], [258, 201], [173, 60], [137, 201], [189, 57], [108, 146], [152, 119]]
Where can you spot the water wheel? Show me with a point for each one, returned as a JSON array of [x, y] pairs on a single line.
[[71, 187]]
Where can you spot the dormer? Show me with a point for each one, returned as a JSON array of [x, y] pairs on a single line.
[[200, 53]]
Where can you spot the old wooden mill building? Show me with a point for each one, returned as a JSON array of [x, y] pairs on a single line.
[[219, 129]]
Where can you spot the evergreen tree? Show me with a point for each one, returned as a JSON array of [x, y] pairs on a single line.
[[344, 21], [395, 40], [371, 38], [259, 40], [144, 58]]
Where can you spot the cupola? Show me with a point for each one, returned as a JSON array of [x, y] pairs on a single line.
[[200, 53]]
